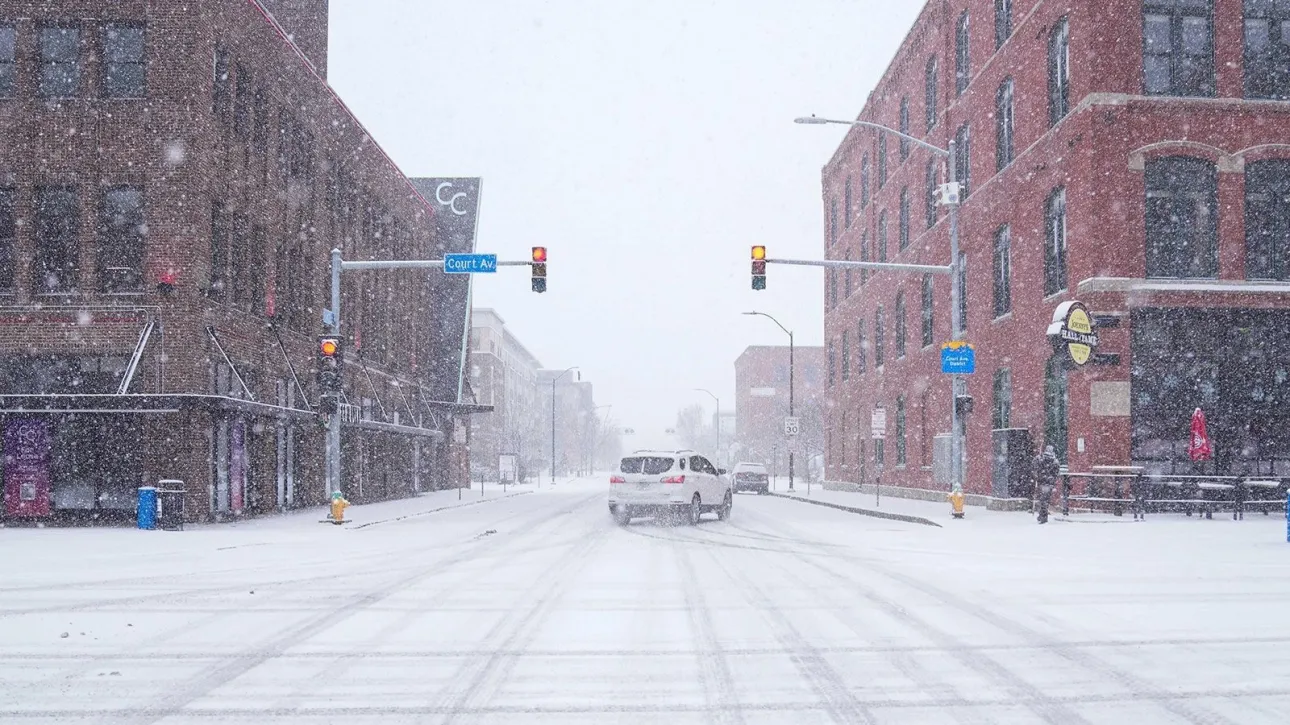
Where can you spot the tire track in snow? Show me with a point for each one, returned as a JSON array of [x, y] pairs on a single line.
[[827, 683], [718, 681], [198, 687]]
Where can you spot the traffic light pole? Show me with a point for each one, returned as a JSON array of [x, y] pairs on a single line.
[[331, 318]]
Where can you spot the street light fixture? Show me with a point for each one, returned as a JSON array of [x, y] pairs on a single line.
[[714, 397], [790, 387], [948, 197], [555, 380]]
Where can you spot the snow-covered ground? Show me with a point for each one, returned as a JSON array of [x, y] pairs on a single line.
[[536, 608]]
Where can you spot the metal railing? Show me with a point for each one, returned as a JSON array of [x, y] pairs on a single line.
[[1115, 488]]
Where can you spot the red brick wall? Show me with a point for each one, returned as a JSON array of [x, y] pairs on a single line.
[[1096, 152]]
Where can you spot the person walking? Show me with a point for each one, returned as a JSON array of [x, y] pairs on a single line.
[[1047, 469]]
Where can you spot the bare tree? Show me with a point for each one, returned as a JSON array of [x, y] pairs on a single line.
[[693, 431]]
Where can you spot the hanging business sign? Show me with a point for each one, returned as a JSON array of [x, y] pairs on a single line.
[[1073, 328]]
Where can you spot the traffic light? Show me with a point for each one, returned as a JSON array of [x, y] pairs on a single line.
[[539, 269], [759, 267], [331, 364]]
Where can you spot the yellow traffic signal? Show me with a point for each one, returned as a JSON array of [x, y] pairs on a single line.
[[759, 252]]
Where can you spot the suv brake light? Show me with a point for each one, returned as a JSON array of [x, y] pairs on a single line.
[[674, 479], [617, 479]]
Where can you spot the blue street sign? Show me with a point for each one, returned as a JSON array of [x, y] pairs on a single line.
[[958, 358], [469, 263]]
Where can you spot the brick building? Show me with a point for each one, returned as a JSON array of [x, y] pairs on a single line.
[[1126, 154], [172, 179], [761, 404]]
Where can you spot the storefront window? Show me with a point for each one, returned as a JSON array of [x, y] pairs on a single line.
[[1056, 406]]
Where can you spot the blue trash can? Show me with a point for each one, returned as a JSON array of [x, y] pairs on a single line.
[[147, 507]]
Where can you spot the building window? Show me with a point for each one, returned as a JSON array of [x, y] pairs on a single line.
[[1003, 271], [904, 218], [1059, 72], [864, 256], [900, 431], [1056, 406], [1267, 220], [900, 325], [879, 353], [904, 128], [862, 357], [864, 181], [928, 320], [8, 61], [1267, 49], [242, 99], [60, 62], [1055, 242], [1182, 218], [58, 222], [831, 364], [963, 292], [833, 222], [846, 202], [221, 249], [8, 238], [930, 92], [1178, 47], [221, 88], [1002, 398], [846, 356], [882, 236], [882, 159], [847, 289], [962, 71], [123, 61], [963, 160], [833, 289], [1002, 22], [933, 175], [121, 231], [879, 455], [1004, 149]]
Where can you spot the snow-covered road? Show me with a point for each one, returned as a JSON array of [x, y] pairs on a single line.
[[538, 609]]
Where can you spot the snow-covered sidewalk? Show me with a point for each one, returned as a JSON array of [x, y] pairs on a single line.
[[933, 512]]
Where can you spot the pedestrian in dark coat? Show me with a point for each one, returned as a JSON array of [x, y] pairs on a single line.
[[1047, 469]]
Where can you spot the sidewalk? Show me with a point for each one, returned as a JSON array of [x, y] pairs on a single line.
[[363, 515], [932, 513]]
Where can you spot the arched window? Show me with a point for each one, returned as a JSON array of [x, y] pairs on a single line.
[[1182, 218]]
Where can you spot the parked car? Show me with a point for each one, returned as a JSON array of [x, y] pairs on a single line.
[[681, 483], [751, 477]]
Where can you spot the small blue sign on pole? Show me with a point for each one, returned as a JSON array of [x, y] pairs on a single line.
[[470, 263], [958, 358], [1288, 516]]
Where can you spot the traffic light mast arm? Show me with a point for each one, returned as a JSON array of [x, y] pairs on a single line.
[[845, 264], [414, 264]]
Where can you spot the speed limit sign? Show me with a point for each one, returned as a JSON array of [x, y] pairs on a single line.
[[792, 426]]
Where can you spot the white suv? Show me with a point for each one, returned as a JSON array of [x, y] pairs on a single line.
[[678, 482]]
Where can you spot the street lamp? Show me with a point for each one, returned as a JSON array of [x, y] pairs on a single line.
[[555, 380], [790, 386], [950, 198], [714, 397]]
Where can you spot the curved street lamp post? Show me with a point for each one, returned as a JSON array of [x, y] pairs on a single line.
[[948, 196], [791, 447]]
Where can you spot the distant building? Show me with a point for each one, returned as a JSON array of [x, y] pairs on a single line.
[[761, 405], [504, 375], [575, 410]]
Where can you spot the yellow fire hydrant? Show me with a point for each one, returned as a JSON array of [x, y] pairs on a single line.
[[956, 501], [338, 505]]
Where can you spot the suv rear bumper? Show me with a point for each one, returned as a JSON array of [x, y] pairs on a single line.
[[755, 487]]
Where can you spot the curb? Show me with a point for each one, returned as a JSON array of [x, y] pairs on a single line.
[[441, 508], [863, 512]]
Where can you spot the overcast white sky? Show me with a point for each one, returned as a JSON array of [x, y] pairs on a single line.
[[647, 145]]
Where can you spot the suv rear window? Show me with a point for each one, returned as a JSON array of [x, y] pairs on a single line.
[[649, 465]]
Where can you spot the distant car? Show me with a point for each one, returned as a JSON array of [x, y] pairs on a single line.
[[680, 483], [751, 477]]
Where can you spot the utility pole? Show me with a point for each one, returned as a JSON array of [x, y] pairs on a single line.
[[553, 382]]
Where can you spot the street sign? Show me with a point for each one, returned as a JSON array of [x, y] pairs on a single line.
[[469, 263], [792, 426], [958, 358], [878, 423]]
